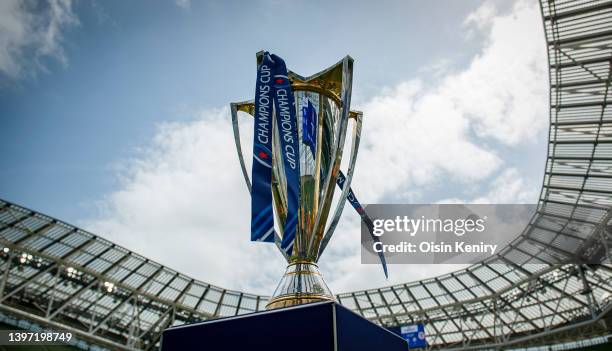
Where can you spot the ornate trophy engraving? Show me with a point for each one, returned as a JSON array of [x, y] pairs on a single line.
[[324, 97]]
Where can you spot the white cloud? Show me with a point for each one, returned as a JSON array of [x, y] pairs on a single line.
[[416, 137], [509, 187], [483, 16], [412, 140], [30, 31], [183, 4], [183, 201], [437, 68], [504, 92]]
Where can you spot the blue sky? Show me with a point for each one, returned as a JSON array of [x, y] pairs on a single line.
[[109, 108]]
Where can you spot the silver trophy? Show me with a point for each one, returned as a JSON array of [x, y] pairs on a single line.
[[329, 91]]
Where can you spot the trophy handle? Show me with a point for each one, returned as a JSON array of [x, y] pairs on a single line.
[[248, 106], [358, 117], [234, 109]]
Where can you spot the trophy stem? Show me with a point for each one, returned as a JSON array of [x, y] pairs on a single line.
[[301, 283]]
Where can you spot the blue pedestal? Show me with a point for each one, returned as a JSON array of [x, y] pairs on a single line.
[[323, 326]]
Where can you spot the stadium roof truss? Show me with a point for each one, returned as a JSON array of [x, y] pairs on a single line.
[[535, 291]]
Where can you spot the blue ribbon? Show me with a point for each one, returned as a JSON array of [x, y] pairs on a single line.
[[286, 121], [364, 217], [262, 215], [273, 87], [309, 126]]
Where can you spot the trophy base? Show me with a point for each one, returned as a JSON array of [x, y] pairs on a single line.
[[302, 283], [323, 326]]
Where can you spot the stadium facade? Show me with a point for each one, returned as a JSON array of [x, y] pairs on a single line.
[[59, 276]]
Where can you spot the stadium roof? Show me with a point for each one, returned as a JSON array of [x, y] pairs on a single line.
[[537, 290]]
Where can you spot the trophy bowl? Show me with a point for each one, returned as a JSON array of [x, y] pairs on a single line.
[[326, 95]]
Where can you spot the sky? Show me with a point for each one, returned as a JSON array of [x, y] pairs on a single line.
[[115, 117]]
